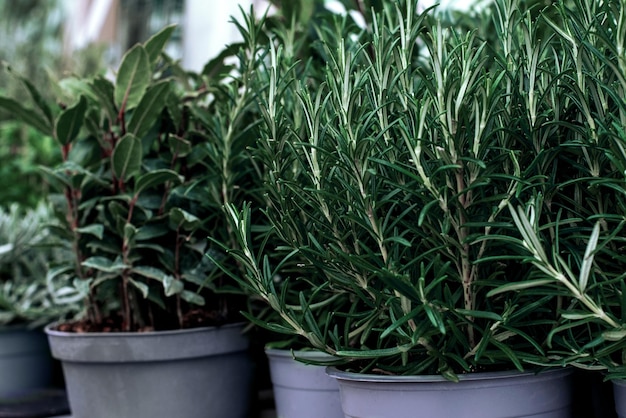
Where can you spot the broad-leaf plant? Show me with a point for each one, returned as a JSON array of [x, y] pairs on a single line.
[[150, 158]]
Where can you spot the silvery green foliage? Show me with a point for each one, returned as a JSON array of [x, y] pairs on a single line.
[[26, 252]]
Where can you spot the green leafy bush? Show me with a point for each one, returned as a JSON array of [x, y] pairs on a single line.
[[391, 163], [148, 162]]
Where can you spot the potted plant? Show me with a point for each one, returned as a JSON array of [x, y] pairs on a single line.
[[389, 175], [26, 301], [301, 387], [149, 160], [571, 231]]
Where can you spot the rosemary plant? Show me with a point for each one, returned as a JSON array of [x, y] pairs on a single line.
[[571, 230], [390, 165]]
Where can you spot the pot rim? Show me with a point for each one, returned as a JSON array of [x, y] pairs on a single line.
[[288, 352], [318, 357], [507, 374], [49, 330]]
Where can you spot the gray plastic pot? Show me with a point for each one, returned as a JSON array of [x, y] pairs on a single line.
[[303, 390], [25, 361], [619, 392], [477, 395], [193, 373]]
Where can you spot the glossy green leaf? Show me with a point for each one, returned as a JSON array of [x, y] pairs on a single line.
[[127, 156], [149, 109], [156, 178], [183, 219], [172, 286], [155, 45], [103, 90], [150, 272], [133, 78], [104, 264], [70, 122], [179, 146], [142, 287], [95, 230], [149, 232], [129, 232], [192, 297]]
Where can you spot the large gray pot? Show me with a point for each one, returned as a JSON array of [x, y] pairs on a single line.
[[25, 361], [303, 390], [194, 373], [619, 391], [477, 395]]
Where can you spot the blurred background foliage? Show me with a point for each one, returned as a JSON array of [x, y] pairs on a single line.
[[31, 42], [31, 47]]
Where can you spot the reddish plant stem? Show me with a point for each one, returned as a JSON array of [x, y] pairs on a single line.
[[179, 312], [121, 118], [126, 273], [72, 198]]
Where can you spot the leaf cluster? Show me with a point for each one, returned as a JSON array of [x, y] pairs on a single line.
[[571, 229], [26, 253], [391, 166], [149, 159]]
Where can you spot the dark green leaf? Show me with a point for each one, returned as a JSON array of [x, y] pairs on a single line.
[[97, 230], [150, 272], [155, 45], [156, 178], [127, 156], [142, 287], [70, 122], [103, 90], [133, 77], [179, 146], [104, 264], [183, 219], [149, 232], [149, 109], [192, 297], [172, 286]]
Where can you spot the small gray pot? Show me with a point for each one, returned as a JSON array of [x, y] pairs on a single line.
[[619, 392], [25, 361], [192, 373], [477, 395], [303, 390]]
